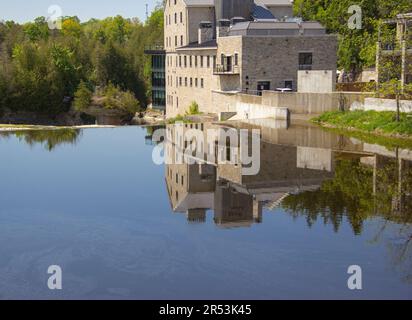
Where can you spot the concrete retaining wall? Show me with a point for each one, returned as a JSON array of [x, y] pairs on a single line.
[[295, 102], [386, 105], [247, 111], [313, 103], [317, 81]]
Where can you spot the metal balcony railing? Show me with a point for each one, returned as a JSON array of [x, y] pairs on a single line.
[[226, 69], [305, 67]]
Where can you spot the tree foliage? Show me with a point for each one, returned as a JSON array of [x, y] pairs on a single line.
[[42, 70], [357, 47]]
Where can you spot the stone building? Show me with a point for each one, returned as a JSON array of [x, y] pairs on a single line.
[[215, 48]]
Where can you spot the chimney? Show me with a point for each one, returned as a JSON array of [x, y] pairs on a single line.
[[205, 31], [223, 28]]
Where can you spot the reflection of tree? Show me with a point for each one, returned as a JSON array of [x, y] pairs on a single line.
[[49, 138], [351, 194]]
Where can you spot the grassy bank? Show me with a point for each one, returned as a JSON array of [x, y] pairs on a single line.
[[373, 122]]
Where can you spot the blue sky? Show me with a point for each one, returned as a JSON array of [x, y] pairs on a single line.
[[27, 10]]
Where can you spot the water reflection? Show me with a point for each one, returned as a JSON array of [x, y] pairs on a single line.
[[307, 171], [50, 139]]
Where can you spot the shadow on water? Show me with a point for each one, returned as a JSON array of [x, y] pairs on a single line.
[[50, 139]]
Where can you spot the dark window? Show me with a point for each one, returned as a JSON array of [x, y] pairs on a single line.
[[305, 60], [289, 84]]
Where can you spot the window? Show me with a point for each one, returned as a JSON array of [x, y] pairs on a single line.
[[190, 61], [175, 41], [185, 81], [236, 59], [195, 61], [181, 17], [196, 82], [201, 61], [175, 18], [202, 83], [305, 60], [191, 82], [208, 61], [185, 60], [289, 84], [181, 41]]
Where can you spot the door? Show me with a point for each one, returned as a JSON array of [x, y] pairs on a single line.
[[263, 86]]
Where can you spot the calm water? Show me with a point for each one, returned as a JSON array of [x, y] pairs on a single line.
[[121, 227]]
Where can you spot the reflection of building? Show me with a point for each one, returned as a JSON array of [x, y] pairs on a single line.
[[238, 199], [293, 160], [215, 48]]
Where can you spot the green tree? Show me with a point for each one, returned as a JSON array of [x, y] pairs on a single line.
[[357, 47], [39, 30], [83, 97]]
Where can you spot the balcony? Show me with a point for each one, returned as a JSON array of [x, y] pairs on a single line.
[[305, 67], [155, 49], [226, 70]]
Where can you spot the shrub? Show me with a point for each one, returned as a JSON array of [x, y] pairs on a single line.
[[115, 98], [83, 97], [193, 109]]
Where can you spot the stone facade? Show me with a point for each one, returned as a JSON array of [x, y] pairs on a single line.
[[210, 72]]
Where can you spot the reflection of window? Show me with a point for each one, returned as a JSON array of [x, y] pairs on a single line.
[[305, 60]]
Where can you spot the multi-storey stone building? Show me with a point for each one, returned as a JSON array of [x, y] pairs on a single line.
[[218, 48]]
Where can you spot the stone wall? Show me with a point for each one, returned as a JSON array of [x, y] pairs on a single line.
[[276, 59]]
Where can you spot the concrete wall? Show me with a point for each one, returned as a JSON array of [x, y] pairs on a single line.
[[295, 102], [312, 103], [317, 81], [247, 111], [386, 105], [281, 11]]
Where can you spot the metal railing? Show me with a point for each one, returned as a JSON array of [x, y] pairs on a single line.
[[305, 67], [226, 69]]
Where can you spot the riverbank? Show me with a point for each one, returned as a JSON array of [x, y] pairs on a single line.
[[370, 122], [17, 127]]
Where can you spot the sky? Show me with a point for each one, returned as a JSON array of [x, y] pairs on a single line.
[[27, 10]]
